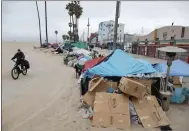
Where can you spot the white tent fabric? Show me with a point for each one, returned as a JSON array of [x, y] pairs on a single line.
[[81, 51]]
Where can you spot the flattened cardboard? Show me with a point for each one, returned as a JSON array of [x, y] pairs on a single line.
[[97, 85], [111, 110], [150, 113], [132, 87], [101, 83]]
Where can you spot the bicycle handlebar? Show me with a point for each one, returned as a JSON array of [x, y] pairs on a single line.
[[13, 60]]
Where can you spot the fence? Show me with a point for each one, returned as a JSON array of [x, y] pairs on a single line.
[[151, 51]]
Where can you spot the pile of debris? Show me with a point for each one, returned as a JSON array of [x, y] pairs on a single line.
[[119, 104]]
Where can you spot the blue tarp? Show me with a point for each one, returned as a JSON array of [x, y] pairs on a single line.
[[178, 68], [181, 95], [119, 63]]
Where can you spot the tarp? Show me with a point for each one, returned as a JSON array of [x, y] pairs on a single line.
[[119, 63], [178, 68], [83, 60], [93, 62], [80, 45], [81, 51]]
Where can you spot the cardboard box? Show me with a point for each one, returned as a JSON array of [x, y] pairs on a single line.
[[150, 113], [132, 87], [111, 110], [176, 80], [147, 83], [97, 85], [177, 86]]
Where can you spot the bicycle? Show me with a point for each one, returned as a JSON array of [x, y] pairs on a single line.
[[17, 70]]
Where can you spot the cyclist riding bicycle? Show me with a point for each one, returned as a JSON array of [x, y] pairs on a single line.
[[19, 56]]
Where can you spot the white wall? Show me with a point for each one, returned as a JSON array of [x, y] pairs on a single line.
[[170, 31], [106, 32]]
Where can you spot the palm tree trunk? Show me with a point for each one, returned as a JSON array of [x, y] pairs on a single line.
[[73, 28], [70, 27], [76, 27], [46, 22], [39, 25]]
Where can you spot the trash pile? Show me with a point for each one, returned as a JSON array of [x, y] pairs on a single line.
[[119, 104], [78, 57], [117, 91]]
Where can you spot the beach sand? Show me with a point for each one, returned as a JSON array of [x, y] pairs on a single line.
[[48, 98]]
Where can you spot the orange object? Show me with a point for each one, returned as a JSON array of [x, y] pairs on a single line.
[[93, 62]]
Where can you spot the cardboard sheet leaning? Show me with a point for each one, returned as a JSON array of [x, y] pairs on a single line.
[[111, 110]]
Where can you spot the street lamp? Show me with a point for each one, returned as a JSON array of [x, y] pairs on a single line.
[[165, 95]]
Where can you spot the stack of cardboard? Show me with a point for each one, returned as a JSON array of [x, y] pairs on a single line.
[[112, 110], [97, 85]]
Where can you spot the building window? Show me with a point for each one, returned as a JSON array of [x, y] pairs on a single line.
[[103, 34], [118, 25], [182, 33], [172, 40], [157, 41], [120, 30], [146, 41]]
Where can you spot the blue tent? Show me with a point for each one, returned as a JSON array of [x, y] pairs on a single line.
[[178, 68], [119, 63]]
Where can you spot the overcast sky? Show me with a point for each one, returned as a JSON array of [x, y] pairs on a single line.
[[20, 20]]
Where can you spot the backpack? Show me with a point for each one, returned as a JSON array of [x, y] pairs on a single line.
[[26, 64]]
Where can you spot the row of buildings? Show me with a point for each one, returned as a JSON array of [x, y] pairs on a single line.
[[164, 35], [145, 44]]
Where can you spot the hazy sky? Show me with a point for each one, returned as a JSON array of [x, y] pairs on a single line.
[[20, 20]]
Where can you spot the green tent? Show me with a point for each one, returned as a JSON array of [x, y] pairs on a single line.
[[80, 45]]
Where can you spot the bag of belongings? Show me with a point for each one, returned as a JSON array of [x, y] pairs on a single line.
[[26, 64]]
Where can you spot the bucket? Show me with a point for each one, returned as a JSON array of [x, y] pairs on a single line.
[[165, 98]]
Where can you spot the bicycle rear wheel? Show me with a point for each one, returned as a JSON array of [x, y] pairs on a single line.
[[24, 71]]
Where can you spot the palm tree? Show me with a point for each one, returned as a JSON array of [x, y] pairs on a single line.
[[78, 13], [56, 32], [70, 8], [46, 22], [67, 37], [64, 37], [70, 34], [39, 25]]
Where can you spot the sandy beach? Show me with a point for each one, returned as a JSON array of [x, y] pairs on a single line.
[[48, 98]]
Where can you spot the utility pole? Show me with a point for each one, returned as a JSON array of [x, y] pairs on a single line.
[[88, 31], [46, 22], [120, 39], [117, 15]]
